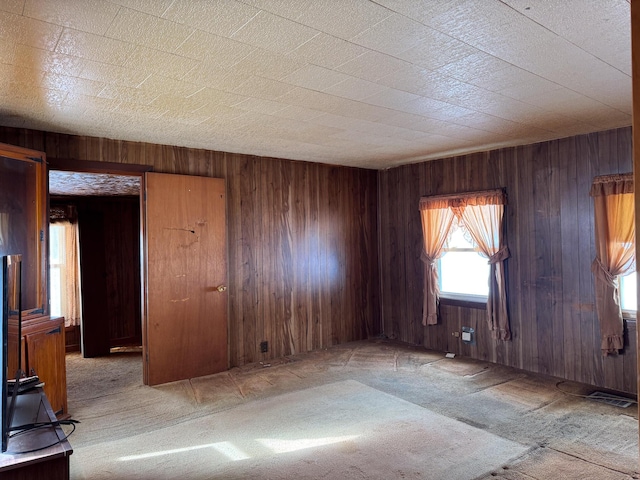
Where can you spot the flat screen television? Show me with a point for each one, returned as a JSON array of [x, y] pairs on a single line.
[[10, 279]]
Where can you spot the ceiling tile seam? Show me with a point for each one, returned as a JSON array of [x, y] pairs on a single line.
[[162, 15], [135, 45], [562, 36], [245, 24], [496, 92], [493, 116], [196, 92], [63, 27], [581, 94], [195, 66], [486, 52], [149, 103], [81, 59], [186, 39], [363, 101], [355, 127], [200, 62], [318, 32], [529, 71], [363, 130], [295, 20], [55, 47], [104, 34], [446, 34], [348, 40], [428, 70], [139, 85], [369, 27]]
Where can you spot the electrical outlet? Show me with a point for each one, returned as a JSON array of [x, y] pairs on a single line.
[[264, 347], [468, 335]]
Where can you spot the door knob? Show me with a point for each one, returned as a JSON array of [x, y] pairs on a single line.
[[221, 288]]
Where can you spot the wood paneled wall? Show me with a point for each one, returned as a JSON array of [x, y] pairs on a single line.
[[549, 226], [302, 239]]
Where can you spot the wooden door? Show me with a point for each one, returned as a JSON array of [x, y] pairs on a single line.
[[185, 329]]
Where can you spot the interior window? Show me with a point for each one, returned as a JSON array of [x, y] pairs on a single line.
[[462, 270]]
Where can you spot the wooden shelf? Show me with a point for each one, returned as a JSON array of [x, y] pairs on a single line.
[[50, 459]]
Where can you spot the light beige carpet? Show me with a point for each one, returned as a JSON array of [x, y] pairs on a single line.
[[341, 430]]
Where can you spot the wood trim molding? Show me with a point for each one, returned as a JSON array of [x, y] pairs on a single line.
[[90, 166], [635, 75], [466, 301]]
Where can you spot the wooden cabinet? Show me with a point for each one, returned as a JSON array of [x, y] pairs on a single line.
[[44, 354], [23, 221], [24, 230]]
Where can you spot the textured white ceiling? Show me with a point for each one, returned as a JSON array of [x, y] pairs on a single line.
[[92, 184], [353, 82]]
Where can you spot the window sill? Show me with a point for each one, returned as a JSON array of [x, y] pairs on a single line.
[[629, 315], [469, 301]]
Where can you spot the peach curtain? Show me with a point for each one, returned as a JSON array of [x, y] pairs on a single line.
[[437, 218], [613, 199], [484, 222], [482, 214]]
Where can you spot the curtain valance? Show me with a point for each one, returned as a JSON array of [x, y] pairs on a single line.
[[63, 213], [485, 197], [612, 184]]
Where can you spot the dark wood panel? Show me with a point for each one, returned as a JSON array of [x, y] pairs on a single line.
[[302, 239], [93, 284], [549, 226], [319, 212], [570, 263], [72, 338]]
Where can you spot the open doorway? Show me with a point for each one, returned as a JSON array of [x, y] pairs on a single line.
[[183, 236], [95, 265]]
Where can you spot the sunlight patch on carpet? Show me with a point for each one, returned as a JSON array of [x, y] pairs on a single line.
[[339, 430], [277, 445]]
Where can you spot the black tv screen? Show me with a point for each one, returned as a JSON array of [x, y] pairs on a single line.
[[11, 336], [3, 341]]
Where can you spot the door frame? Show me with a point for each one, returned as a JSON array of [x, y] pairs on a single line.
[[84, 166]]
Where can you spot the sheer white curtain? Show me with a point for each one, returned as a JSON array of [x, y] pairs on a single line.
[[64, 265], [483, 218]]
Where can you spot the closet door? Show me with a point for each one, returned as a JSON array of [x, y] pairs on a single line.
[[185, 327]]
